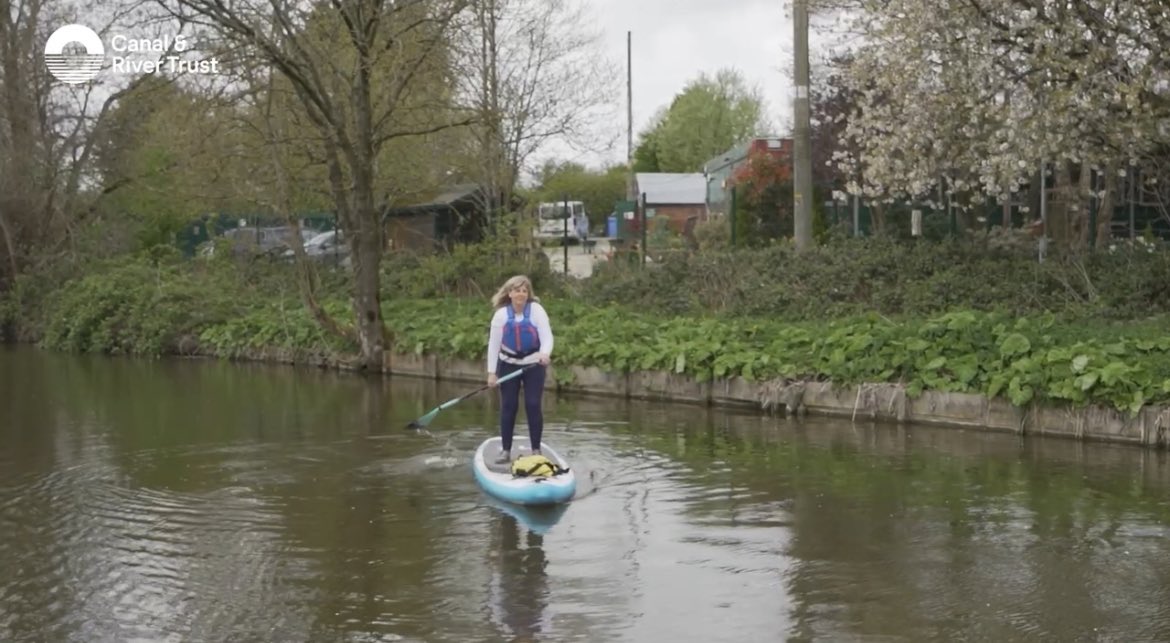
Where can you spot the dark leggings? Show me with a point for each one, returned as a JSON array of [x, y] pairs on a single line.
[[533, 383]]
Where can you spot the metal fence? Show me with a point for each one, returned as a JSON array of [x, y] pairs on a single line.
[[209, 226], [1130, 218]]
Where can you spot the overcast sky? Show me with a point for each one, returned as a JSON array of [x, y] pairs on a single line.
[[676, 40]]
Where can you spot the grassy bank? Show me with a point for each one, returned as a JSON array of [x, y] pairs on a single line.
[[1044, 336]]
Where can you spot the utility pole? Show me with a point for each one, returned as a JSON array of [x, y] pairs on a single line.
[[802, 194], [630, 116], [565, 236]]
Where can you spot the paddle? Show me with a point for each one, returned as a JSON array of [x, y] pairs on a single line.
[[423, 421]]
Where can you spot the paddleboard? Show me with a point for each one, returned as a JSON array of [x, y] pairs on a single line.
[[497, 479]]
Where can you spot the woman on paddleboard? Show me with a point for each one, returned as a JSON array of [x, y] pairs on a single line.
[[520, 335]]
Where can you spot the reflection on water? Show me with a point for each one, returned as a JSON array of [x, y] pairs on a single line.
[[183, 501], [519, 588], [538, 520]]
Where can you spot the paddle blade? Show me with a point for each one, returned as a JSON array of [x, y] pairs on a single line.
[[423, 421]]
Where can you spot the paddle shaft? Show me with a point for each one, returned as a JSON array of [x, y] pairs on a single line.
[[426, 419], [484, 387]]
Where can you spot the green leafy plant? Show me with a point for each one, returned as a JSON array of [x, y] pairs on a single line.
[[1024, 360], [769, 316]]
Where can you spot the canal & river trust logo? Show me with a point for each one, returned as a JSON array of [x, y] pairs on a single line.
[[74, 68], [168, 53]]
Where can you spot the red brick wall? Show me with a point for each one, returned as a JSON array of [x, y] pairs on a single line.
[[760, 145], [678, 214]]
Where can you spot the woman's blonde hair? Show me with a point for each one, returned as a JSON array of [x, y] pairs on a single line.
[[504, 294]]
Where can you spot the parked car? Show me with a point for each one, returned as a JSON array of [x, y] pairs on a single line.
[[248, 240], [326, 247]]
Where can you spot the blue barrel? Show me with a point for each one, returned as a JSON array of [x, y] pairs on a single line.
[[611, 227]]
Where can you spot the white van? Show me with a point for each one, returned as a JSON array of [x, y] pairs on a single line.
[[551, 219]]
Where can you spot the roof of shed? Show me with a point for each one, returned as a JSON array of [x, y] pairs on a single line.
[[668, 188]]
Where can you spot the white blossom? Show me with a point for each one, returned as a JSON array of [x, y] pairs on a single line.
[[982, 107]]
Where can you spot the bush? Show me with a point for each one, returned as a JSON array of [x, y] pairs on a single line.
[[713, 235], [956, 316], [891, 277], [467, 271], [132, 307]]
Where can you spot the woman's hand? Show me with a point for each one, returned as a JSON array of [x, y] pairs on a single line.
[[492, 379], [542, 359]]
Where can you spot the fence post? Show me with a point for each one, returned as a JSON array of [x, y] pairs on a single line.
[[1132, 225], [1094, 206], [951, 215], [1042, 245], [565, 233], [644, 237], [734, 215], [856, 216]]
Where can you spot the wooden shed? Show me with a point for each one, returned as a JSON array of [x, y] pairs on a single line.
[[456, 214]]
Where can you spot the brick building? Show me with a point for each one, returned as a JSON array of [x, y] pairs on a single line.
[[680, 198], [720, 169]]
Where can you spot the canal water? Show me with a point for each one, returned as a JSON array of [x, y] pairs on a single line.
[[183, 500]]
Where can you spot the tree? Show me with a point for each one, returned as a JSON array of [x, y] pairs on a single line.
[[1152, 185], [48, 131], [711, 115], [163, 144], [531, 74], [974, 96], [832, 102], [279, 151], [764, 188], [646, 153], [598, 190], [353, 67]]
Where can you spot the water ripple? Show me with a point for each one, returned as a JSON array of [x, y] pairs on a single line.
[[114, 529], [102, 553]]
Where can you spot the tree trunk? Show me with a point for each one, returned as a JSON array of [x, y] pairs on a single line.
[[359, 222], [1105, 209], [1036, 184], [7, 279], [1058, 225], [306, 274], [18, 116], [877, 216], [494, 147], [367, 302], [1079, 197], [367, 243]]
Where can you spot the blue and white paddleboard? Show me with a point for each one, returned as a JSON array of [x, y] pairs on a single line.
[[498, 481]]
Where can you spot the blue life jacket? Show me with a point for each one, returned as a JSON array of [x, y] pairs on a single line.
[[521, 338]]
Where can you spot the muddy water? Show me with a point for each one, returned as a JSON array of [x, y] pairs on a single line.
[[197, 501]]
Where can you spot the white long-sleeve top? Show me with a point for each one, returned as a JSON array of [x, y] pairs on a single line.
[[496, 335]]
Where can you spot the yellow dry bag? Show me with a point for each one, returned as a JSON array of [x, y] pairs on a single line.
[[535, 465]]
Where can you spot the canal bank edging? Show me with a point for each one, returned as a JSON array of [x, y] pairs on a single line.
[[872, 402]]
